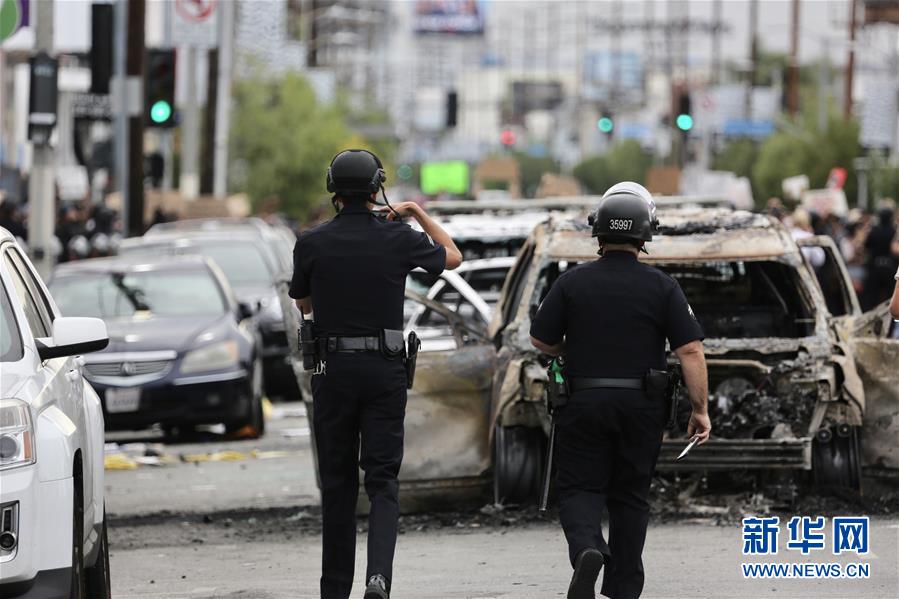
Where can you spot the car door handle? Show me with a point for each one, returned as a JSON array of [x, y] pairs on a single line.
[[73, 376]]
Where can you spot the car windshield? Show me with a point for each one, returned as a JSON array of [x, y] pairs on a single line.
[[124, 295], [10, 337], [242, 261]]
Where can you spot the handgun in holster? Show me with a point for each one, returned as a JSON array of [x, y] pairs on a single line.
[[414, 344], [308, 346], [663, 386]]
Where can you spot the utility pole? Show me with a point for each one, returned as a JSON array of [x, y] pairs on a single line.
[[207, 160], [166, 134], [135, 68], [850, 63], [753, 56], [190, 180], [823, 84], [223, 105], [793, 73], [120, 109], [41, 187], [716, 43]]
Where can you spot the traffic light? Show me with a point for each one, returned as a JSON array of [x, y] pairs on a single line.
[[507, 137], [684, 118], [606, 124], [452, 109], [159, 88]]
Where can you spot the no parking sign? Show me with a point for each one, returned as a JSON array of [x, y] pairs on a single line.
[[195, 23]]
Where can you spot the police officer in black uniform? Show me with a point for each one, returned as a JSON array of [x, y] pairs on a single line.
[[610, 319], [350, 273]]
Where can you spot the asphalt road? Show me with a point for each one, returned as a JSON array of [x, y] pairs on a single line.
[[206, 472], [688, 559], [207, 517]]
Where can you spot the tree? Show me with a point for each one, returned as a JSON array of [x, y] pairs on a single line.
[[626, 161], [282, 142], [532, 169], [738, 157], [810, 152]]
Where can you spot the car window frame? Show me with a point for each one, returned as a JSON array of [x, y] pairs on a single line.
[[7, 256], [37, 286], [16, 327]]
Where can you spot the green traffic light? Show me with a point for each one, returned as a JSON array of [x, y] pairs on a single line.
[[605, 124], [684, 122], [160, 111]]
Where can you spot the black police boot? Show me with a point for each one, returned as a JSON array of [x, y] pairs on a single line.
[[376, 588], [586, 570]]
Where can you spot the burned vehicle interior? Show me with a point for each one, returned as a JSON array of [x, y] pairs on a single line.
[[732, 299]]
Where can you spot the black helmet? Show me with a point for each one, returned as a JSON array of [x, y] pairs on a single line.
[[621, 218], [355, 171]]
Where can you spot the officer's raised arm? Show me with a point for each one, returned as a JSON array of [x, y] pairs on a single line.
[[432, 229]]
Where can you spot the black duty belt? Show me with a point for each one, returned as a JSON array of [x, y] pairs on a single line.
[[331, 345], [583, 383]]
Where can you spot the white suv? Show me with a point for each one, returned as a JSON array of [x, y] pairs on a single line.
[[52, 521]]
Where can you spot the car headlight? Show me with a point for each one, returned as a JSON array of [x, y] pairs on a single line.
[[16, 434], [215, 356]]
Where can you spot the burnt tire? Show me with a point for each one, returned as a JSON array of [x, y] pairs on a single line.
[[97, 576], [77, 587], [835, 458], [517, 464]]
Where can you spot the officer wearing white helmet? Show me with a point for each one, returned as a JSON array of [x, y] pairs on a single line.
[[610, 320]]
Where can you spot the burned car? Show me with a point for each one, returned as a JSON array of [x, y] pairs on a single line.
[[789, 379]]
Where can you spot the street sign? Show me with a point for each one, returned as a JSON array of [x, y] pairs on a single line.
[[42, 98], [95, 107], [13, 16], [195, 23]]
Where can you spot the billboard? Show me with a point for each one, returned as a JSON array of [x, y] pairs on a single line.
[[465, 17], [444, 177]]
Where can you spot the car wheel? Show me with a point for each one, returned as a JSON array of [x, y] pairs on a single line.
[[98, 586], [835, 458], [256, 415], [517, 462], [77, 588]]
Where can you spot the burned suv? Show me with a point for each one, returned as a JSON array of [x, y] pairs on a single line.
[[787, 376], [790, 366]]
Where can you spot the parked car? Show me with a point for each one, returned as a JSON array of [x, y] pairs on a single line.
[[52, 518], [793, 387], [252, 268], [183, 351]]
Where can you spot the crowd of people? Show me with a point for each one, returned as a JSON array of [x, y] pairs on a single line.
[[82, 231], [868, 242]]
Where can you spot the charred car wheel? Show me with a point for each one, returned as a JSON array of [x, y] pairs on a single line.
[[517, 461], [835, 457]]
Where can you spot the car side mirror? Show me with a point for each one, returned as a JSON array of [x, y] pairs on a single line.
[[245, 310], [72, 336]]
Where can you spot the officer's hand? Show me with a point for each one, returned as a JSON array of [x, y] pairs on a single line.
[[700, 426], [403, 209]]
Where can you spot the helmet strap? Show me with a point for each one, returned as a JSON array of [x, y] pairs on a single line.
[[386, 202]]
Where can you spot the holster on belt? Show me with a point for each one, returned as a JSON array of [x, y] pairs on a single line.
[[557, 390], [308, 346], [412, 358], [662, 386]]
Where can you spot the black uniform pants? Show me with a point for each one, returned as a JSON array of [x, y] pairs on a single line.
[[362, 397], [608, 441]]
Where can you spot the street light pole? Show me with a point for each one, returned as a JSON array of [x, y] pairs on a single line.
[[41, 188]]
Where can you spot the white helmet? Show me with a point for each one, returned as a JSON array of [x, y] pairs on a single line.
[[637, 190]]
